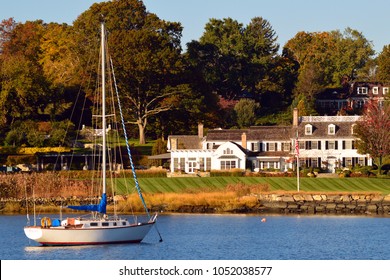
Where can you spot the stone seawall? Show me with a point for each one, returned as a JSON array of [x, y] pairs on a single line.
[[305, 203], [346, 204]]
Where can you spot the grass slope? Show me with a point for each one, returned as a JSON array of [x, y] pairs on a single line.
[[181, 185]]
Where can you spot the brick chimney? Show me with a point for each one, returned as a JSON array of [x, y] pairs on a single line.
[[243, 140], [173, 144], [200, 130], [295, 117]]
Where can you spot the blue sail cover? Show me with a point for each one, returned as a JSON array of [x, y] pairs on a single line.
[[101, 207]]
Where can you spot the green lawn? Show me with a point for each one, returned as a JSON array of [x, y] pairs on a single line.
[[166, 185]]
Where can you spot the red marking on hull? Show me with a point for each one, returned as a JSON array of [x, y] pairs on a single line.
[[87, 243]]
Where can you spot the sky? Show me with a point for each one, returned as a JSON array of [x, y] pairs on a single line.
[[287, 17]]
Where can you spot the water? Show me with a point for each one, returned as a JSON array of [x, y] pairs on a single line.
[[223, 237]]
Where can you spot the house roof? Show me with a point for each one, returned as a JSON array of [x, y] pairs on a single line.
[[320, 129], [186, 141]]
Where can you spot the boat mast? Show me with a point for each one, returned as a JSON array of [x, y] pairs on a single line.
[[104, 147], [298, 163]]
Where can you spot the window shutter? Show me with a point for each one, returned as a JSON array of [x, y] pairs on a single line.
[[326, 145]]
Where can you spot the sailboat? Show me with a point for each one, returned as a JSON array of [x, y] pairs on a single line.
[[99, 227]]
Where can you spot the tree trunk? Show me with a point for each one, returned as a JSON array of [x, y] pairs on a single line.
[[141, 130]]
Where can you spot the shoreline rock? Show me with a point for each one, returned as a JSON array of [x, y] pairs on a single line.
[[267, 203]]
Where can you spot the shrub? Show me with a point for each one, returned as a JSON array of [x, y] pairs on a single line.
[[228, 173], [27, 159]]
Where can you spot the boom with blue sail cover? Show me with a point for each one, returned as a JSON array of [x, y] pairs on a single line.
[[101, 207]]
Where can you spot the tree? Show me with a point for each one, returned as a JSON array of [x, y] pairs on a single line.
[[374, 132], [23, 85], [146, 53], [6, 27], [60, 68], [159, 147], [246, 112], [383, 61], [326, 58], [310, 82], [236, 59]]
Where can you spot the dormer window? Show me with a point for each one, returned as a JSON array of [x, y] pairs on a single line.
[[385, 90], [331, 129], [308, 129], [375, 90], [362, 90], [353, 129]]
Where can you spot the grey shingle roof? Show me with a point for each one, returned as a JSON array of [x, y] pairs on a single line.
[[320, 130], [187, 141]]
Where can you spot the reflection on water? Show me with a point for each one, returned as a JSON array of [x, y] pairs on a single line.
[[40, 248]]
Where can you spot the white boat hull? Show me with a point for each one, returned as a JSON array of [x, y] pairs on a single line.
[[63, 236]]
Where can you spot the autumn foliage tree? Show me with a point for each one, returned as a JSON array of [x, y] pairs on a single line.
[[384, 65], [326, 59], [373, 131], [146, 54]]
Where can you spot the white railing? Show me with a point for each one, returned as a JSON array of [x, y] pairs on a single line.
[[329, 118]]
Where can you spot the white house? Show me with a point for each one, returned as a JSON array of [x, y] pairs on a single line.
[[329, 142], [325, 142]]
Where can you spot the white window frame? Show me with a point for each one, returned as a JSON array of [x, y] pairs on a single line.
[[331, 145], [348, 144], [353, 129], [228, 164], [272, 147], [308, 129], [375, 90], [362, 90], [286, 146], [331, 129], [255, 146], [385, 90]]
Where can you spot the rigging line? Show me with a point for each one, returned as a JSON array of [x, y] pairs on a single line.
[[127, 143], [128, 150]]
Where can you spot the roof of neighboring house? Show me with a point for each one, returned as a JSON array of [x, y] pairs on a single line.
[[333, 94], [320, 126], [186, 141], [254, 133]]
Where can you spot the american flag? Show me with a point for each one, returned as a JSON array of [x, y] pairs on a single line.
[[297, 146]]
